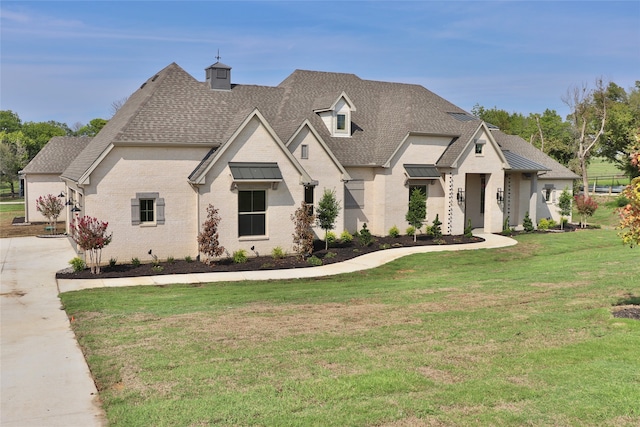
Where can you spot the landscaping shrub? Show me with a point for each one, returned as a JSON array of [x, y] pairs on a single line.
[[188, 258], [331, 238], [240, 256], [208, 238], [78, 264], [315, 261], [303, 233], [346, 237], [410, 231], [546, 223], [394, 232], [435, 229], [278, 253], [113, 262], [527, 223], [135, 262], [365, 236], [468, 229]]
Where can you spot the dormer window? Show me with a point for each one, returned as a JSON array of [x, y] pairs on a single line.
[[341, 123], [336, 114]]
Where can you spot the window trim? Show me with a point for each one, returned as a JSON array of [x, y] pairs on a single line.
[[347, 123], [158, 209], [253, 212]]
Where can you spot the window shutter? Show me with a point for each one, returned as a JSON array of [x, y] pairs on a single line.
[[135, 211], [160, 211], [354, 194]]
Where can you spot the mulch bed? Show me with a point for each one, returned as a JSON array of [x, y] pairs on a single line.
[[338, 253]]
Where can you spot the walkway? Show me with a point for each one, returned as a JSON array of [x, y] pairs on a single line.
[[45, 380], [362, 262]]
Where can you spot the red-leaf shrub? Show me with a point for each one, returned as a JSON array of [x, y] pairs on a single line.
[[586, 207], [50, 206], [91, 235]]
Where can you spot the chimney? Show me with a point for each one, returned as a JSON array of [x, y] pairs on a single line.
[[219, 76]]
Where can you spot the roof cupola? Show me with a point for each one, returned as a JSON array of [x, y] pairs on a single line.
[[218, 75]]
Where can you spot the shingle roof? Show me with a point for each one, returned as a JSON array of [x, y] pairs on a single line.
[[174, 108], [57, 155]]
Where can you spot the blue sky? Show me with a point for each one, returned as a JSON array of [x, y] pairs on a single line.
[[68, 61]]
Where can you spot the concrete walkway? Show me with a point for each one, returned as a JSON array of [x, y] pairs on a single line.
[[44, 379], [362, 262]]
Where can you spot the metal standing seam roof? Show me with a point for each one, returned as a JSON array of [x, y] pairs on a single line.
[[242, 171], [421, 171], [519, 163]]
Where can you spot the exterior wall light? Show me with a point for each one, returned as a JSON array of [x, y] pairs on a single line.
[[460, 196]]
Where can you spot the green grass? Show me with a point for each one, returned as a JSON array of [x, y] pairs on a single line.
[[515, 336], [605, 172]]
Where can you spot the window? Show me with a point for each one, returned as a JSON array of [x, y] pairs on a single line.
[[148, 209], [479, 148], [341, 122], [221, 73], [548, 193], [422, 188], [252, 213], [304, 151], [308, 198]]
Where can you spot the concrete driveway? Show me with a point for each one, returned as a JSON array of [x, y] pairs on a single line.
[[44, 378]]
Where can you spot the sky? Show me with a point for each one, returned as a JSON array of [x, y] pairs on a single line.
[[69, 61]]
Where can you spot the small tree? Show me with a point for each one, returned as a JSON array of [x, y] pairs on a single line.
[[303, 233], [436, 229], [50, 207], [208, 239], [417, 210], [327, 212], [564, 205], [630, 214], [527, 223], [91, 235], [586, 207]]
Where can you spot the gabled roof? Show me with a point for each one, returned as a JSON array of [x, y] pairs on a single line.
[[57, 155], [174, 108]]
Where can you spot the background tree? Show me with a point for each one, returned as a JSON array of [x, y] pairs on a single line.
[[303, 233], [50, 207], [564, 205], [588, 119], [116, 105], [623, 124], [9, 121], [208, 238], [417, 210], [327, 212], [13, 157], [90, 234], [92, 128], [37, 134]]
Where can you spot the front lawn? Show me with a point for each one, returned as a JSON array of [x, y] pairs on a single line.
[[517, 336]]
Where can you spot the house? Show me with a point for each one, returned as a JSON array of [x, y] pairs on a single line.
[[42, 175], [257, 152]]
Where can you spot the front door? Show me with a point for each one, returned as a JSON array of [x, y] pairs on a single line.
[[475, 185]]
